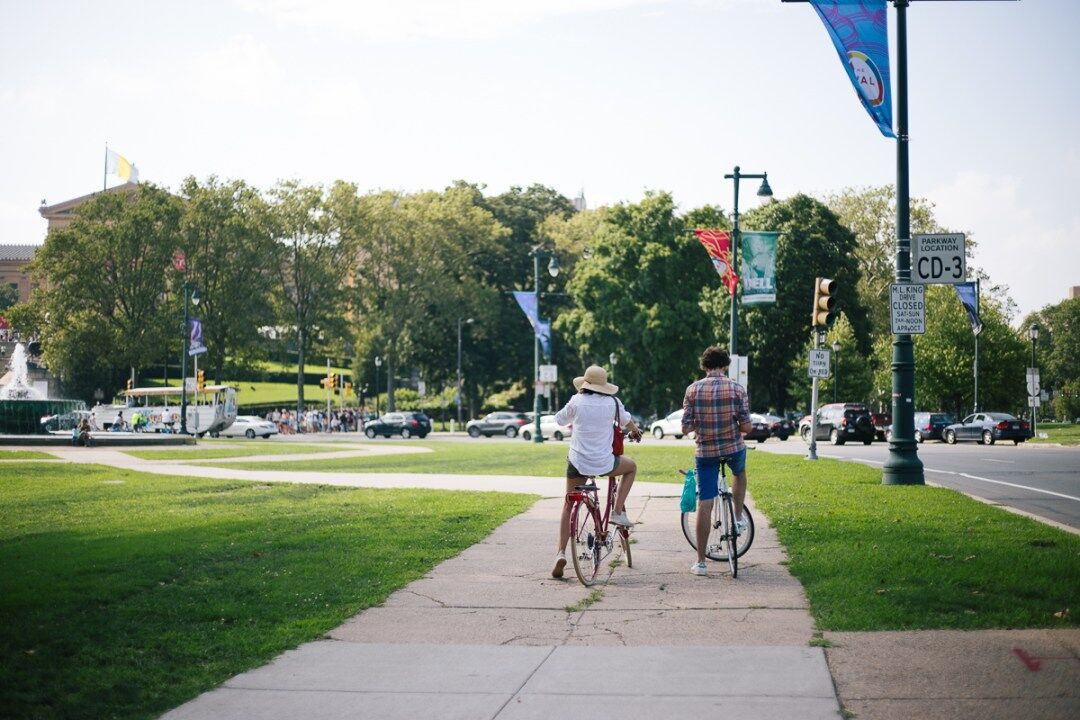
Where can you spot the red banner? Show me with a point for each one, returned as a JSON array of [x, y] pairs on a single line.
[[718, 244]]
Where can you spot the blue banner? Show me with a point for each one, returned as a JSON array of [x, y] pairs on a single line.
[[969, 298], [195, 344], [859, 30], [541, 328]]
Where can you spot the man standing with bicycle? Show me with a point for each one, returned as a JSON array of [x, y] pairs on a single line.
[[716, 409]]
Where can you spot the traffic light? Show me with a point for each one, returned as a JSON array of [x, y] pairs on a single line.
[[824, 302], [200, 380], [348, 388], [334, 382]]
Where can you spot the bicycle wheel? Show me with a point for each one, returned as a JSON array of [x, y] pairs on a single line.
[[714, 551], [624, 538], [585, 546], [727, 535]]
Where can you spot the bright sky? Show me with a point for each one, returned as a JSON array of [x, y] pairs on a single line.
[[613, 96]]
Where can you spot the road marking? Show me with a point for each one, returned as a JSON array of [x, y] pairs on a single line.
[[973, 477], [1010, 462]]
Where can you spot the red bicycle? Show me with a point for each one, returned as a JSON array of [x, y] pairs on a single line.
[[591, 538]]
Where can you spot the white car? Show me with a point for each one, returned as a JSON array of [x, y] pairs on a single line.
[[248, 426], [548, 428], [670, 425]]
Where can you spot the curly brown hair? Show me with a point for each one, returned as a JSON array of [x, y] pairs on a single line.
[[715, 357]]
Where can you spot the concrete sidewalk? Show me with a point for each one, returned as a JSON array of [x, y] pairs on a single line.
[[489, 634]]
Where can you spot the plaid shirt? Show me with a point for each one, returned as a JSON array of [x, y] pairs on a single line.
[[713, 407]]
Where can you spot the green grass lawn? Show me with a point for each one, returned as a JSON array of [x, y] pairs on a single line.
[[243, 448], [875, 557], [656, 463], [1061, 433], [25, 455], [124, 594]]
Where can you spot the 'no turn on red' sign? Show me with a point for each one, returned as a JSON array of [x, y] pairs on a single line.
[[908, 308]]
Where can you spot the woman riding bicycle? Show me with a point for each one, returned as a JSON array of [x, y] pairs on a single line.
[[594, 412]]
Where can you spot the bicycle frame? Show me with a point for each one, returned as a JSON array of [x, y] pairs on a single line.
[[592, 502]]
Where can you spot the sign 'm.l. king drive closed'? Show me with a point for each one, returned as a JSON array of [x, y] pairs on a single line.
[[908, 308]]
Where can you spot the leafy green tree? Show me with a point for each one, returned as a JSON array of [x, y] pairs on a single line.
[[8, 296], [945, 358], [416, 276], [812, 243], [231, 259], [639, 294], [853, 378], [1058, 346], [105, 300], [314, 232]]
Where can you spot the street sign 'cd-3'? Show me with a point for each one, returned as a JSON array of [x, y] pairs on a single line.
[[939, 259]]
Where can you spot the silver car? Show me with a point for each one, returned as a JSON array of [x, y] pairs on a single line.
[[249, 426]]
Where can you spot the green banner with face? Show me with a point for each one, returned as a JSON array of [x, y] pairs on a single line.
[[758, 267]]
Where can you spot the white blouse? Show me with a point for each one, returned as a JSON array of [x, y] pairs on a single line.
[[593, 418]]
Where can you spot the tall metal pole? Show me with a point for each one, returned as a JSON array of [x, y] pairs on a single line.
[[812, 455], [377, 364], [1034, 410], [733, 333], [183, 364], [903, 467], [977, 311], [458, 395], [537, 436]]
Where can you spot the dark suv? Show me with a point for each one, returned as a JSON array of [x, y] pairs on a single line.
[[405, 424], [929, 426], [840, 422], [504, 422]]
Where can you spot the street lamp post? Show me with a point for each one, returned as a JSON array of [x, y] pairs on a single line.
[[458, 395], [614, 360], [192, 293], [765, 192], [836, 369], [553, 270], [378, 364], [1033, 334]]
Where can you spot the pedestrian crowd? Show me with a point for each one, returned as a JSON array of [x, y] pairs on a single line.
[[312, 420]]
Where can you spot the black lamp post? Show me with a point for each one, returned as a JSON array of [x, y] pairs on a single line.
[[765, 192], [553, 270], [614, 360], [190, 292], [378, 364], [836, 369], [458, 395], [1033, 335]]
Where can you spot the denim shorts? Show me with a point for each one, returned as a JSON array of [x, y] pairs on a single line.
[[708, 472]]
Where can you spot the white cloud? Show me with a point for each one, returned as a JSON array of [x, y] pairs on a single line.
[[412, 19]]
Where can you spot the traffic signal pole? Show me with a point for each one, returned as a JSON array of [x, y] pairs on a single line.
[[812, 455], [903, 467]]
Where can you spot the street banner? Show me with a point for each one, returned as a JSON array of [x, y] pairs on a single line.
[[195, 344], [858, 29], [969, 298], [758, 267], [717, 244], [541, 328]]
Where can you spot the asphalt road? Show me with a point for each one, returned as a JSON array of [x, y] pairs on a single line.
[[1041, 480]]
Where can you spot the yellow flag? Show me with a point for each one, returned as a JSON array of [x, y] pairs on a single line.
[[120, 166]]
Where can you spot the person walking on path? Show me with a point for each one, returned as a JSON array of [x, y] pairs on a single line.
[[595, 413], [716, 409]]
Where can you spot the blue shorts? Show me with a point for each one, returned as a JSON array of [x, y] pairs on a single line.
[[708, 472]]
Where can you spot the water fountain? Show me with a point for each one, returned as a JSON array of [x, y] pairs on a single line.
[[22, 406]]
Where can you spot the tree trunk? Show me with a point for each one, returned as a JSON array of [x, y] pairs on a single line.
[[299, 369]]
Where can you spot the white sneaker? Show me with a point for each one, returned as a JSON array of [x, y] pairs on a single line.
[[741, 524], [560, 563], [620, 518], [699, 569]]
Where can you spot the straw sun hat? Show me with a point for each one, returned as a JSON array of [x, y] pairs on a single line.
[[595, 379]]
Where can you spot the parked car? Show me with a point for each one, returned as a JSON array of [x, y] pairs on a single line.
[[986, 428], [759, 429], [882, 422], [549, 429], [841, 422], [670, 425], [931, 425], [405, 424], [249, 426], [778, 427], [502, 422]]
